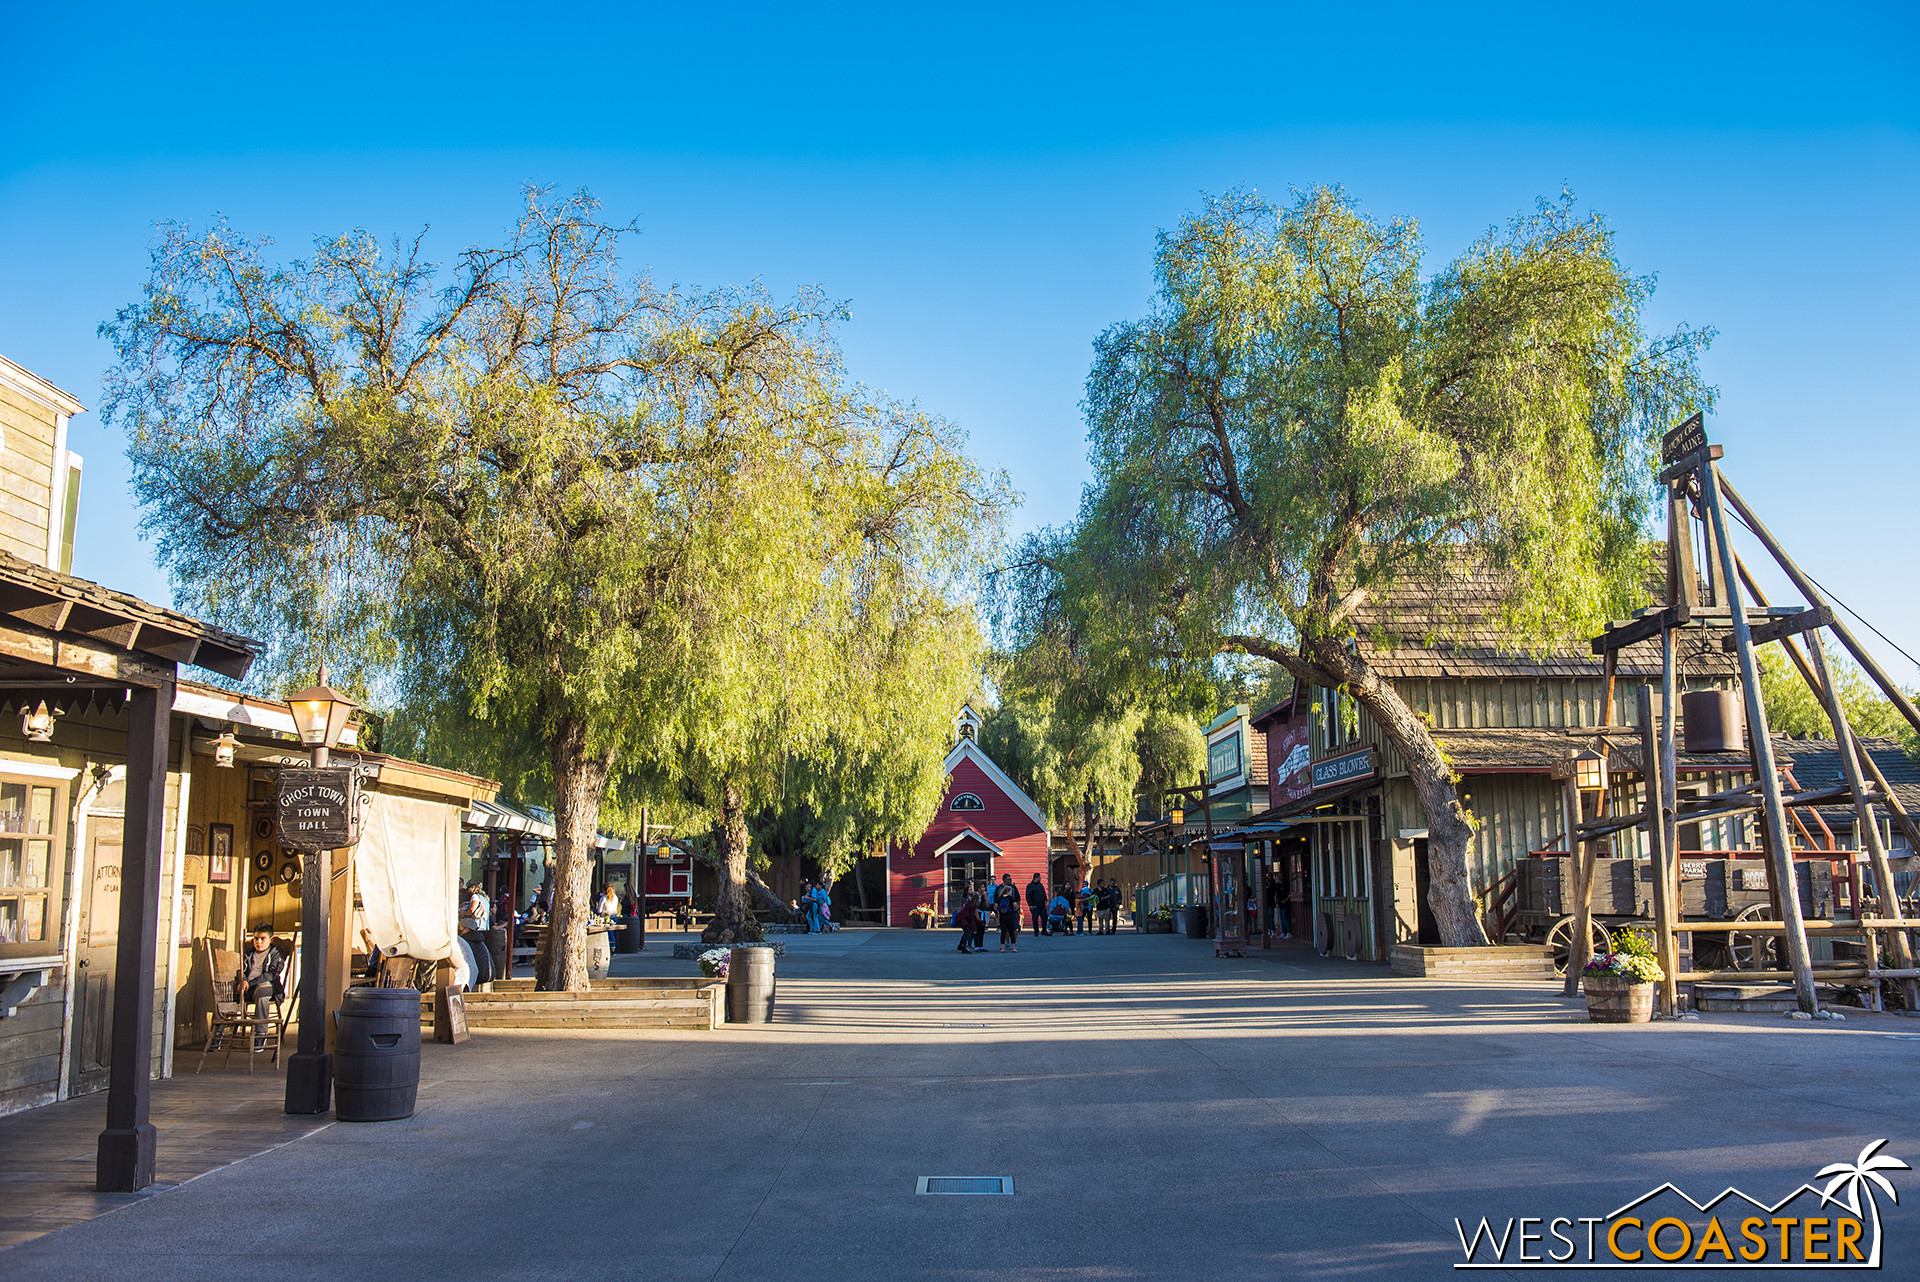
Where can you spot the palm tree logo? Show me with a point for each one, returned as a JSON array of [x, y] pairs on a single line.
[[1858, 1176]]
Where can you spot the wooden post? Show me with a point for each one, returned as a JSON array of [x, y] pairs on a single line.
[[1660, 830], [1780, 847], [339, 945], [1580, 947], [124, 1159], [1867, 828]]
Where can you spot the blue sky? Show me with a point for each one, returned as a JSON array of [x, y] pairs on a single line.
[[982, 185]]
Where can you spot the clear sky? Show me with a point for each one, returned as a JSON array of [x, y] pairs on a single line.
[[982, 185]]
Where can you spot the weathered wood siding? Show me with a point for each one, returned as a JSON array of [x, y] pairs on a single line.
[[26, 475]]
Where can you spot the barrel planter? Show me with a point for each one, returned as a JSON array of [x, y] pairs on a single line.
[[750, 985], [376, 1058], [599, 954], [1617, 999], [920, 921]]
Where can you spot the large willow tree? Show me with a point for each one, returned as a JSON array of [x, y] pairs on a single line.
[[1304, 421], [658, 533]]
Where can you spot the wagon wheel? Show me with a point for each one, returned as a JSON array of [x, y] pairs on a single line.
[[1560, 940], [1749, 951]]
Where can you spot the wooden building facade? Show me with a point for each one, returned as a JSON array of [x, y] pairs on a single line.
[[1345, 836]]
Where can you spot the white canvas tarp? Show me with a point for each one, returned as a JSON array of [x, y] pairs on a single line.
[[408, 868]]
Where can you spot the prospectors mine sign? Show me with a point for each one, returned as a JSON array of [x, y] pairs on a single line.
[[319, 808]]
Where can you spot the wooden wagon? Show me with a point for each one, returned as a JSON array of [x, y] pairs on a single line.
[[1535, 904]]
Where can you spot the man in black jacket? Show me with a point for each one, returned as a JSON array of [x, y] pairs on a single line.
[[1037, 901]]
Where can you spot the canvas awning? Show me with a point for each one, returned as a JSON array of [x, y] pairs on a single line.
[[494, 816]]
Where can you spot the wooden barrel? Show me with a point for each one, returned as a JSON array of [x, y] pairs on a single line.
[[376, 1059], [750, 985], [1617, 999], [599, 955]]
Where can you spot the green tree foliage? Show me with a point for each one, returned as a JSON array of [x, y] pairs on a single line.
[[655, 540], [1793, 709], [1304, 420]]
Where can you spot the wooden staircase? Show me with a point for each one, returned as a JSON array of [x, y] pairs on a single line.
[[612, 1003]]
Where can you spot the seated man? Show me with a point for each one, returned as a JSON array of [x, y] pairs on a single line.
[[262, 977]]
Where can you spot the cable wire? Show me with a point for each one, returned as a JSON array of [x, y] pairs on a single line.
[[1831, 596]]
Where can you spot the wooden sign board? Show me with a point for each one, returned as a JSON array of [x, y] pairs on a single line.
[[319, 809], [1753, 878], [1688, 438], [450, 1015], [1693, 870], [1345, 768]]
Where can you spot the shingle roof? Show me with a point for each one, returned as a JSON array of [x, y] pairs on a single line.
[[1448, 627], [1543, 747], [1816, 764]]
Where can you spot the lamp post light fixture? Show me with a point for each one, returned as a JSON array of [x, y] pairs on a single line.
[[1590, 771], [320, 717], [37, 723]]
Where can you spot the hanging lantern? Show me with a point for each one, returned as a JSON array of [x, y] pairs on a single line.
[[1590, 772], [223, 749], [37, 723], [1178, 816]]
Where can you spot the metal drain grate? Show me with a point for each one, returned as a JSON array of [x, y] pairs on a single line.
[[989, 1185]]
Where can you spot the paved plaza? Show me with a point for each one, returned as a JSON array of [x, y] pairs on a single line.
[[1162, 1113]]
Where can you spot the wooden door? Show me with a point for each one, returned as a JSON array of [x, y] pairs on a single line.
[[99, 939]]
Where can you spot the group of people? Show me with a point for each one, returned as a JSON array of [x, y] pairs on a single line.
[[815, 906], [1095, 907]]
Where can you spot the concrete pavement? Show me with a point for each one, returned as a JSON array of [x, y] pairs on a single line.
[[1163, 1114]]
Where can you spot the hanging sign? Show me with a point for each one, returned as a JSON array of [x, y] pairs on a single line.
[[319, 808], [1293, 776], [1688, 438], [1345, 768]]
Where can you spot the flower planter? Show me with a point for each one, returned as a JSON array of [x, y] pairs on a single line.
[[1156, 926], [920, 923], [1617, 999]]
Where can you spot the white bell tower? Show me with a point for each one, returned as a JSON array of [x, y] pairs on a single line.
[[967, 724]]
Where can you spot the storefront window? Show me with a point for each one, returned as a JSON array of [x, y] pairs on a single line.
[[26, 863]]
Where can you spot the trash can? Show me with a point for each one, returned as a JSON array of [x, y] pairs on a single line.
[[376, 1058], [750, 985], [628, 940], [599, 954], [497, 945], [1196, 922]]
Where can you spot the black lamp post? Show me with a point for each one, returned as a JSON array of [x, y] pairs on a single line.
[[319, 717]]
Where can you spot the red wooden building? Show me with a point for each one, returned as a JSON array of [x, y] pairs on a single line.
[[986, 826]]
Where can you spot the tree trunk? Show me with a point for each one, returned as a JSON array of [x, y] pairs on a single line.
[[1448, 831], [1081, 864], [733, 921], [579, 782], [758, 891]]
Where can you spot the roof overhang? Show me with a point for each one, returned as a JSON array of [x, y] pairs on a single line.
[[95, 629], [963, 835]]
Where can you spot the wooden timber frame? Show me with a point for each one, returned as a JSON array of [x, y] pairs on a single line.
[[1697, 489]]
